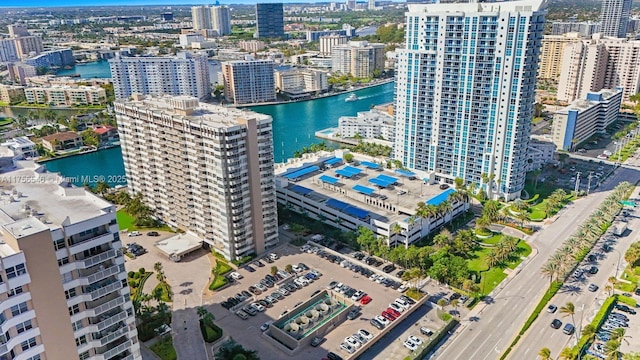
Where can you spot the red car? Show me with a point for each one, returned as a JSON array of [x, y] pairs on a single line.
[[388, 316], [393, 312], [365, 300]]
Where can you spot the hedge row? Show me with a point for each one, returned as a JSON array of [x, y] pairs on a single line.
[[210, 331], [597, 322]]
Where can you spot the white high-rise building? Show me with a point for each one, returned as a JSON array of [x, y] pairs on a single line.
[[203, 168], [182, 74], [614, 18], [8, 50], [465, 90], [249, 81], [221, 20], [65, 292], [328, 42], [201, 17]]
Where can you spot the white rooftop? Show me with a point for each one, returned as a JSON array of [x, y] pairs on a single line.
[[179, 245], [28, 192], [478, 7]]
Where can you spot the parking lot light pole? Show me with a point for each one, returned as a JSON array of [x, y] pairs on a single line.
[[577, 187], [589, 183]]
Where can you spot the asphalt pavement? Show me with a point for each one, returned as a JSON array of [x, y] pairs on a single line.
[[489, 329], [586, 303]]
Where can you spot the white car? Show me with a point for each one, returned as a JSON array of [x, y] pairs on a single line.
[[403, 288], [382, 320], [348, 348], [265, 326], [352, 341], [396, 307], [416, 340], [373, 277], [410, 345], [402, 303], [258, 307], [296, 268], [283, 291], [365, 334], [273, 256], [236, 275], [134, 233], [316, 273], [380, 279], [261, 287], [358, 295]]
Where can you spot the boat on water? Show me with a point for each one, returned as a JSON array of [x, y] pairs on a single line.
[[351, 97]]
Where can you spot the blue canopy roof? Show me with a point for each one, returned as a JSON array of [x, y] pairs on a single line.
[[302, 172], [379, 182], [345, 173], [332, 161], [328, 179], [440, 198], [389, 179], [351, 169], [300, 189], [370, 165], [347, 209], [405, 173], [363, 189]]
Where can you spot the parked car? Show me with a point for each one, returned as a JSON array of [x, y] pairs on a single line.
[[134, 233], [333, 356], [426, 331], [317, 341], [153, 233], [365, 300], [593, 287]]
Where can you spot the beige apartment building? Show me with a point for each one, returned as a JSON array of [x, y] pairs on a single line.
[[66, 95], [10, 94], [301, 81], [202, 168], [66, 294], [599, 63], [551, 54], [358, 58], [329, 41], [249, 81]]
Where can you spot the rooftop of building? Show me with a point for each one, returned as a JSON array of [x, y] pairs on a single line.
[[29, 192], [321, 182], [189, 108], [474, 6], [591, 100], [61, 136], [373, 116]]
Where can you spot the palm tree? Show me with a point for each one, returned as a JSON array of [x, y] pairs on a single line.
[[396, 229], [589, 331], [612, 281], [545, 354], [102, 187], [569, 309], [612, 350], [550, 269], [618, 334], [567, 354], [454, 303]]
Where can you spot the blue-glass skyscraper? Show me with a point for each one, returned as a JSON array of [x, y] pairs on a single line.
[[465, 91]]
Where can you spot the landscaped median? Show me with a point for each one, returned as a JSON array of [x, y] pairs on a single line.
[[430, 343], [164, 349], [222, 267], [553, 289]]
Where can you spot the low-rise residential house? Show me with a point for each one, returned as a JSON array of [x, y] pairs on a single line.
[[62, 141], [106, 134], [22, 148]]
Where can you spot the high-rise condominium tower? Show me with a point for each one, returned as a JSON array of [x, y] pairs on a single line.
[[65, 292], [465, 90], [203, 168], [270, 20], [183, 74], [614, 17], [215, 18]]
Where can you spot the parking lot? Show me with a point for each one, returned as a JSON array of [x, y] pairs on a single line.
[[567, 176], [246, 331]]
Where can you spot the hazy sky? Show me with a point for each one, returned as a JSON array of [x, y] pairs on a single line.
[[52, 3]]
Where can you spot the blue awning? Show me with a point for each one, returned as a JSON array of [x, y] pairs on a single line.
[[440, 198], [302, 172], [351, 169], [389, 179], [328, 179], [405, 173], [344, 173], [363, 189], [300, 189], [378, 182], [332, 161], [370, 165], [347, 209]]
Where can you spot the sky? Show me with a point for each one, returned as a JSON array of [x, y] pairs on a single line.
[[54, 3]]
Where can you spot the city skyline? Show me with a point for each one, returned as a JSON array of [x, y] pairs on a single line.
[[126, 3]]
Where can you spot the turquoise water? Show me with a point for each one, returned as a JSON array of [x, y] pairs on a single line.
[[294, 126], [91, 167], [96, 69]]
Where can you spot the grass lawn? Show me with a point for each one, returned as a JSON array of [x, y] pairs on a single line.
[[5, 121], [222, 267], [492, 240], [218, 282], [164, 349], [491, 278], [126, 222], [166, 291]]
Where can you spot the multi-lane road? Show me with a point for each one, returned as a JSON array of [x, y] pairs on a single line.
[[496, 324], [586, 303]]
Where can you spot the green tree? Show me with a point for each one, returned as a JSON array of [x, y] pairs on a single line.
[[231, 350], [90, 138], [348, 157], [102, 187], [545, 354]]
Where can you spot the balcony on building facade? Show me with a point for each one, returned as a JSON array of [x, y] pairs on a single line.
[[102, 288], [110, 351]]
